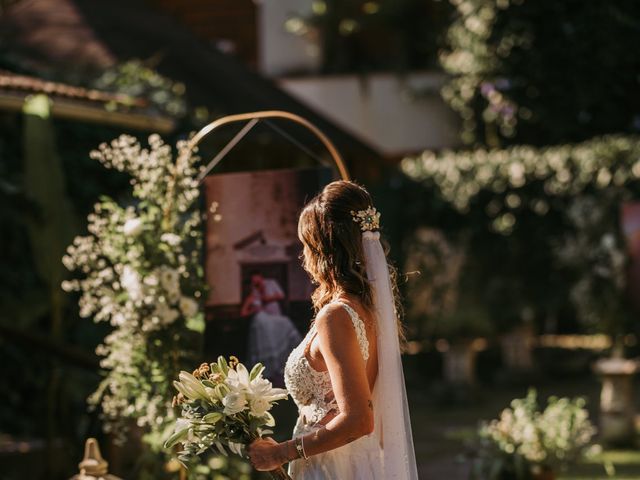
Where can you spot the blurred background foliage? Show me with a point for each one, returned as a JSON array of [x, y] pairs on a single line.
[[46, 350], [514, 224], [542, 72], [548, 99], [363, 36]]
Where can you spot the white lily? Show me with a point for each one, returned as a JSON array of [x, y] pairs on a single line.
[[259, 406], [234, 402], [195, 390], [262, 388], [238, 378]]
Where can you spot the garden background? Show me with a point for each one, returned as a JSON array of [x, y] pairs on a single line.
[[500, 139]]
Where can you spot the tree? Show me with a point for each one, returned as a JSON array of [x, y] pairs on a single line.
[[543, 72]]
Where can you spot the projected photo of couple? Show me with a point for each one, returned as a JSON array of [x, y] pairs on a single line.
[[259, 298]]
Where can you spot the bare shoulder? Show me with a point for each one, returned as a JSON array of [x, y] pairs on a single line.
[[336, 336], [336, 316], [333, 319]]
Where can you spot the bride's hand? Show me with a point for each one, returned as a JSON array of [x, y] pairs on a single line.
[[266, 454]]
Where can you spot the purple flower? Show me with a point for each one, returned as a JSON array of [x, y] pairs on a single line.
[[486, 88]]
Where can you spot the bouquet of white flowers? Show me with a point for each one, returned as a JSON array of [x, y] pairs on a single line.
[[224, 406]]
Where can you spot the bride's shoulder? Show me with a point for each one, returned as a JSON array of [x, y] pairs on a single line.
[[333, 312], [333, 315], [341, 314]]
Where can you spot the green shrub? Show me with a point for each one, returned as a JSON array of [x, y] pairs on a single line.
[[543, 71], [512, 207], [526, 439]]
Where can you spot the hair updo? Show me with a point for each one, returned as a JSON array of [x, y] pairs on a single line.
[[333, 254]]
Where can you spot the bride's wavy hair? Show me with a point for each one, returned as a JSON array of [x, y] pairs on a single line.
[[334, 256]]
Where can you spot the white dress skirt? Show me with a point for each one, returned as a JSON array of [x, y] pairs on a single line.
[[358, 460]]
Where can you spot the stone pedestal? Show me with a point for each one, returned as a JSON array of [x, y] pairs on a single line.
[[617, 411], [459, 363], [517, 349]]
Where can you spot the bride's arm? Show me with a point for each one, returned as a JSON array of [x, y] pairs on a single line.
[[343, 358]]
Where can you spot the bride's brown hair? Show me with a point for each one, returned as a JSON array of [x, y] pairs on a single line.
[[333, 255]]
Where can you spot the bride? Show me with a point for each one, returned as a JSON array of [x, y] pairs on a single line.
[[346, 375]]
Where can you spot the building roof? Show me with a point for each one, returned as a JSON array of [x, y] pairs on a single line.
[[83, 104], [85, 35], [10, 81]]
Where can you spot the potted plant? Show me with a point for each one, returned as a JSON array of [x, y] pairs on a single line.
[[461, 334], [595, 253], [525, 443], [440, 307]]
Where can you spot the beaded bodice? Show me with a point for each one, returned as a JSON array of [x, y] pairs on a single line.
[[311, 389]]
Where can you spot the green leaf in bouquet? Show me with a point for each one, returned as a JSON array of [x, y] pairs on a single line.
[[256, 422], [181, 431], [204, 429], [208, 383], [202, 449], [224, 366], [221, 449], [257, 370], [271, 422], [219, 428], [212, 418], [221, 390]]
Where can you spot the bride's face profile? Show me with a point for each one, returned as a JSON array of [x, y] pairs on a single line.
[[332, 242]]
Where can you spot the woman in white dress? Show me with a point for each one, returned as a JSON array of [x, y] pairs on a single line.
[[346, 375], [272, 335]]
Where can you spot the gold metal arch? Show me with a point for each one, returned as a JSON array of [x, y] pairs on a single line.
[[253, 118]]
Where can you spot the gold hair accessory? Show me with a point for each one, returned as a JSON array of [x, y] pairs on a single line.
[[368, 219]]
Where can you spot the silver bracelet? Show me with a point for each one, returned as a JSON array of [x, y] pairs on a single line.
[[299, 443]]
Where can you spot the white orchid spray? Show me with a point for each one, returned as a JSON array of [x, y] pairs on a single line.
[[139, 269], [224, 407]]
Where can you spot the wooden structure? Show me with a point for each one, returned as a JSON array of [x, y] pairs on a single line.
[[82, 104]]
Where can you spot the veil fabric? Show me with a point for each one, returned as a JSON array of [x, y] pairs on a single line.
[[391, 411]]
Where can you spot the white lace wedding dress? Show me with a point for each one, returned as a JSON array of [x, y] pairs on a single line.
[[311, 391]]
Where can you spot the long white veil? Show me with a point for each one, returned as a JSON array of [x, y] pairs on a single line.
[[392, 423]]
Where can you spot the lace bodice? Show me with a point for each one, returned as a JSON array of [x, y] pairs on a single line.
[[310, 389]]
